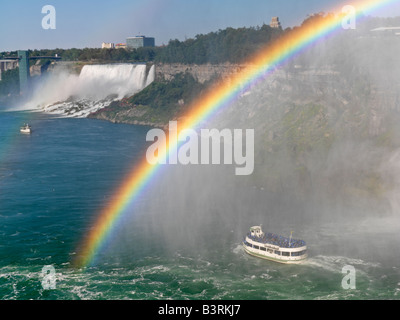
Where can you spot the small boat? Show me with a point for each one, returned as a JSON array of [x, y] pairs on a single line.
[[26, 128], [274, 247]]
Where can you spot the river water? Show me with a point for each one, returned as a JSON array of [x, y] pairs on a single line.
[[54, 182]]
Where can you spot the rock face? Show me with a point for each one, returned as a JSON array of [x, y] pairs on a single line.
[[202, 73], [325, 134], [359, 104]]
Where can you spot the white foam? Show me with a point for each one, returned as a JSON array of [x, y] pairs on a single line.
[[96, 87], [336, 263]]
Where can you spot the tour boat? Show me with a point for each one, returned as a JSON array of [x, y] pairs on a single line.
[[274, 247], [25, 128]]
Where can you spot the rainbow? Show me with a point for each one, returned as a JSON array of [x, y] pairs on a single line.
[[262, 63]]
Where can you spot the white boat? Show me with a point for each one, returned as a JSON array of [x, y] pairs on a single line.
[[274, 247], [25, 128]]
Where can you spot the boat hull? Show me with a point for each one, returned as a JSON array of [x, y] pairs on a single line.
[[25, 129], [274, 247], [262, 255]]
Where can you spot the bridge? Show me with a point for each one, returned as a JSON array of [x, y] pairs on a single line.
[[23, 62]]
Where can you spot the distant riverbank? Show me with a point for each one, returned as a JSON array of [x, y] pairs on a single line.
[[125, 112]]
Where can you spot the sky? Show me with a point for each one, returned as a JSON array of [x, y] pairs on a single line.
[[88, 23]]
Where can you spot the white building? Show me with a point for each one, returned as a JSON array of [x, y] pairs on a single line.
[[106, 45], [275, 23]]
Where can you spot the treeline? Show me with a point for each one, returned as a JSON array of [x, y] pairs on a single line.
[[228, 45], [92, 54]]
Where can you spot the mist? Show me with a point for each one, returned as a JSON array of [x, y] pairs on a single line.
[[63, 92], [327, 154]]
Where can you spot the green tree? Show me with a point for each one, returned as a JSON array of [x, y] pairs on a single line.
[[9, 83]]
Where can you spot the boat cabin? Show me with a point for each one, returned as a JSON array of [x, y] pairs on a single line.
[[256, 231]]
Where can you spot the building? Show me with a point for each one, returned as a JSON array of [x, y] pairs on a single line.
[[275, 23], [120, 46], [139, 42], [106, 45]]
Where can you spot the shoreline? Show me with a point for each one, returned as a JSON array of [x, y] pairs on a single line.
[[130, 122], [122, 111]]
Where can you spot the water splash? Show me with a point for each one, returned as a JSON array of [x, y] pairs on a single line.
[[95, 88]]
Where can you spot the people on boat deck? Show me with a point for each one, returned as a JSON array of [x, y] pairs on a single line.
[[278, 240]]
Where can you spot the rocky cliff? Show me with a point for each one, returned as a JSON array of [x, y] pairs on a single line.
[[202, 73], [326, 124]]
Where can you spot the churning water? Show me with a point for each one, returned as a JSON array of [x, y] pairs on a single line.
[[178, 241]]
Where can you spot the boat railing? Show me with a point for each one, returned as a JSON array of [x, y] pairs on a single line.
[[278, 240]]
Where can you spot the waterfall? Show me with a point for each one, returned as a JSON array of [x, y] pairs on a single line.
[[99, 81], [151, 75], [95, 88]]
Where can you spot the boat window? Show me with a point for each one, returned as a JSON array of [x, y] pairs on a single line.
[[277, 252], [247, 244], [286, 254], [262, 248], [256, 247], [299, 253]]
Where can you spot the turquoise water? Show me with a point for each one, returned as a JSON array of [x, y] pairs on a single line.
[[54, 182]]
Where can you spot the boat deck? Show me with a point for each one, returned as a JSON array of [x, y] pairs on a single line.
[[277, 240]]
